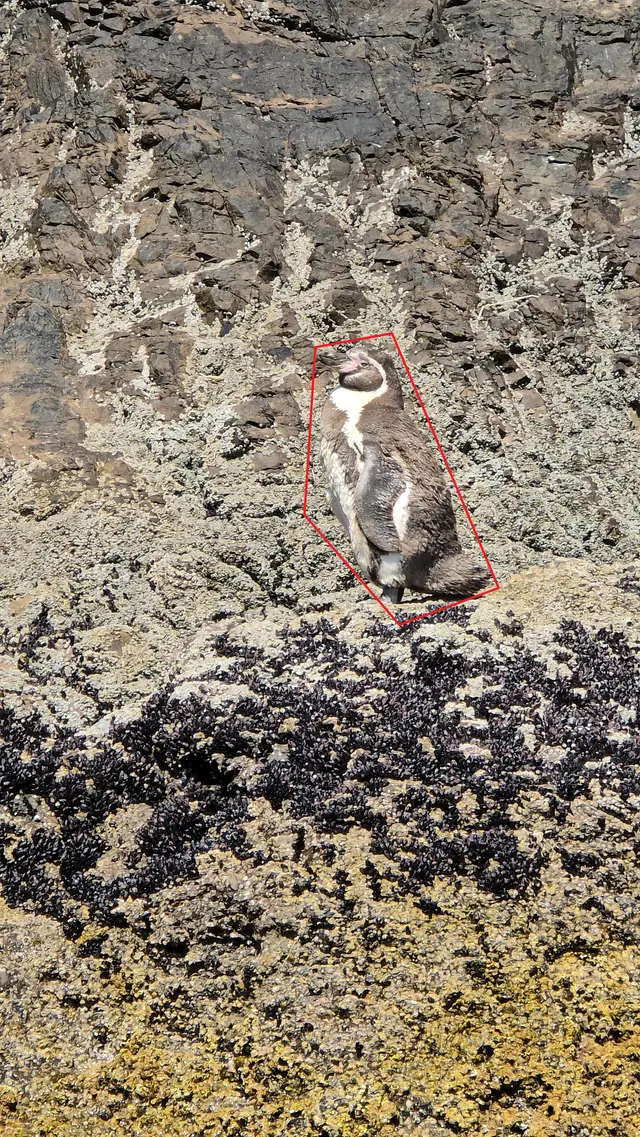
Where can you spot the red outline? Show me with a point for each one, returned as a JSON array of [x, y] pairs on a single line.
[[454, 603]]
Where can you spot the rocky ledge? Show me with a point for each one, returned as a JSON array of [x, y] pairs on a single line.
[[271, 865]]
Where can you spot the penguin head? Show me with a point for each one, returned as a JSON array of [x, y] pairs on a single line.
[[371, 373]]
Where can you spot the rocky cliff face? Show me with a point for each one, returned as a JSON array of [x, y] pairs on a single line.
[[271, 866]]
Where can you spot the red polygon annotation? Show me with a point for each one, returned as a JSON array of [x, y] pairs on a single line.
[[443, 607]]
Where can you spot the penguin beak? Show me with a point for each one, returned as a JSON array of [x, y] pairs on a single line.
[[351, 364]]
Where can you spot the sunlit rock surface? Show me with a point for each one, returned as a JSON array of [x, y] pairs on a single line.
[[270, 865]]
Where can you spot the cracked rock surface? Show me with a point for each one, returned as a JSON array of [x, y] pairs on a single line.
[[269, 865]]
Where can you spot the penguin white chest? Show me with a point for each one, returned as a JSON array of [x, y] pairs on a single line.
[[341, 487], [342, 479], [352, 404]]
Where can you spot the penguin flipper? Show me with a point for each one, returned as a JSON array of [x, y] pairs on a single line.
[[381, 482]]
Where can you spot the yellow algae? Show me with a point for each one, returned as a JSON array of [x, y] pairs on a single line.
[[541, 1050]]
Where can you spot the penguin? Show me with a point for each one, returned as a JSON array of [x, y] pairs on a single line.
[[386, 487]]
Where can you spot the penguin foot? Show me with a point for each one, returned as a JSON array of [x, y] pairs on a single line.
[[393, 594]]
